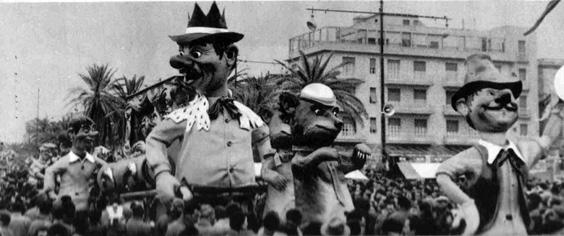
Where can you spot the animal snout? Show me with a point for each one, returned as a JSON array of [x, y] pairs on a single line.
[[338, 124], [179, 62]]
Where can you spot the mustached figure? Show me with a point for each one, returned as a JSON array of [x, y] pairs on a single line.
[[493, 202]]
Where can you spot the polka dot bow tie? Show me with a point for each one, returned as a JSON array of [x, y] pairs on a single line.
[[194, 113]]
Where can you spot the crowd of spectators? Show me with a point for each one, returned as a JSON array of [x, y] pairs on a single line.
[[383, 206]]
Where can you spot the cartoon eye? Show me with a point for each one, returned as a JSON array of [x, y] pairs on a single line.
[[318, 112], [336, 113], [196, 54]]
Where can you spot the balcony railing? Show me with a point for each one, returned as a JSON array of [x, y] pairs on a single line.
[[408, 137], [424, 80], [349, 35], [461, 138], [412, 107]]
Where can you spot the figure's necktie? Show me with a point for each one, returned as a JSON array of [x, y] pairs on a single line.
[[224, 103], [511, 156]]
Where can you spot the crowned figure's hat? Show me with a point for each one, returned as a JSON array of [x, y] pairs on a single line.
[[207, 27]]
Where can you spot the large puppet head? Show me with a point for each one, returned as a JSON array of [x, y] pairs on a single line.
[[312, 115], [82, 133], [207, 54], [488, 98]]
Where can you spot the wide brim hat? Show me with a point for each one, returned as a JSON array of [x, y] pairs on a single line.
[[210, 27], [481, 73]]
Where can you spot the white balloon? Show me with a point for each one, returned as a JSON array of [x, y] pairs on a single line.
[[559, 83]]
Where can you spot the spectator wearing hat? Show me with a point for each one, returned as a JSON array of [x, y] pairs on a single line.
[[77, 167], [335, 227]]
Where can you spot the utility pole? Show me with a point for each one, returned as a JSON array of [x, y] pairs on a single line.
[[382, 90]]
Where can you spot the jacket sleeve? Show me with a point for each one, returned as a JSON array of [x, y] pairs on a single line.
[[261, 140], [51, 173], [465, 162], [162, 136]]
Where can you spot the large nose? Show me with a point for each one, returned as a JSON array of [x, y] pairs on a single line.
[[504, 97], [338, 123], [179, 62]]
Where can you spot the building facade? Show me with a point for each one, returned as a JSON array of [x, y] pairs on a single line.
[[423, 68]]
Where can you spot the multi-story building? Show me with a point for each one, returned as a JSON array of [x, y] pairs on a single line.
[[423, 66]]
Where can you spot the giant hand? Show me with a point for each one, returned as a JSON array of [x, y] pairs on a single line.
[[166, 186]]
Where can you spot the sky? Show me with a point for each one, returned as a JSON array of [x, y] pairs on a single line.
[[45, 46]]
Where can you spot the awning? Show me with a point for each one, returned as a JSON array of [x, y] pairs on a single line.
[[356, 175], [419, 149], [418, 170]]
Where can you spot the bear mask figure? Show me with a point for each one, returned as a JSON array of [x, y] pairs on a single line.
[[319, 170]]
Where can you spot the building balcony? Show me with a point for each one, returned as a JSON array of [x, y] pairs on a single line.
[[412, 108], [420, 80], [349, 39], [460, 138], [411, 137], [449, 111]]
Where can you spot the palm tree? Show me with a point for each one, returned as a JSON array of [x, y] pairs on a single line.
[[260, 93], [98, 100], [316, 72], [123, 88]]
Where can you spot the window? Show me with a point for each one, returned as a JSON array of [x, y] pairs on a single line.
[[406, 39], [449, 66], [521, 47], [405, 22], [394, 94], [449, 95], [394, 69], [523, 74], [420, 126], [420, 95], [419, 70], [434, 44], [523, 129], [373, 125], [349, 126], [394, 125], [523, 102], [349, 62], [484, 44], [372, 65], [419, 66], [452, 126], [371, 40], [373, 95]]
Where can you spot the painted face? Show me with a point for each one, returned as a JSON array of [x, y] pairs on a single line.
[[491, 110], [202, 67]]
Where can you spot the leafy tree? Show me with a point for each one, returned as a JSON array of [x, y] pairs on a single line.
[[98, 100]]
